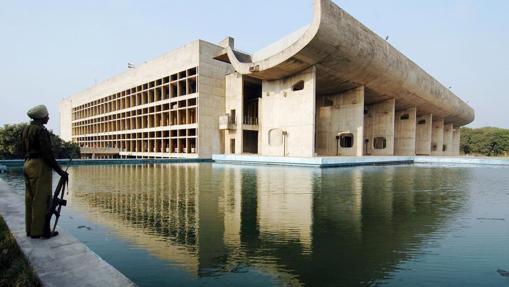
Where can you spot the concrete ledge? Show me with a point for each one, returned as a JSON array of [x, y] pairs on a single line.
[[462, 160], [19, 163], [346, 161], [314, 161], [60, 261]]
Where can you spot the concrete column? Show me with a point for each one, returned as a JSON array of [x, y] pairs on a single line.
[[379, 128], [343, 114], [448, 137], [456, 136], [234, 101], [423, 135], [437, 137], [405, 132]]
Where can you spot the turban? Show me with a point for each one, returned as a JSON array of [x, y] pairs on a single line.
[[38, 112]]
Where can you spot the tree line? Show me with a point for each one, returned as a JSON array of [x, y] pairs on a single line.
[[485, 141], [10, 144]]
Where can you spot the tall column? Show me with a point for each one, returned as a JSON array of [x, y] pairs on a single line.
[[456, 136], [437, 137], [379, 128], [405, 132], [234, 107], [448, 138], [423, 135]]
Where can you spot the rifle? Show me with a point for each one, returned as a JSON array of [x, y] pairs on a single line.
[[58, 200]]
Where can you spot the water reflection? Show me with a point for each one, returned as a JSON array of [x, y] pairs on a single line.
[[306, 227]]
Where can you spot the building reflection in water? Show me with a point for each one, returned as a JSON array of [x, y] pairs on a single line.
[[349, 226]]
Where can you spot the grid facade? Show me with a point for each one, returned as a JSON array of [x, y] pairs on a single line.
[[155, 119]]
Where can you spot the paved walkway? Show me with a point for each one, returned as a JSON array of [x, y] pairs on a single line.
[[60, 261]]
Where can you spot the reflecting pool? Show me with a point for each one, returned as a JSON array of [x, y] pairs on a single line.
[[231, 225]]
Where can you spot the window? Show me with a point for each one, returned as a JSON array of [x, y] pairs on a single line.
[[380, 143], [298, 86], [233, 117], [346, 140], [404, 117], [328, 102], [421, 122], [444, 147], [434, 147]]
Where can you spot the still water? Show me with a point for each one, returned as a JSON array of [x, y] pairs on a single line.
[[231, 225]]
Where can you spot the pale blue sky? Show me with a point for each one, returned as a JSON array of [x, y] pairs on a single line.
[[52, 49]]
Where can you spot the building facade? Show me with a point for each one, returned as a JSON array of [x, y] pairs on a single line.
[[333, 88]]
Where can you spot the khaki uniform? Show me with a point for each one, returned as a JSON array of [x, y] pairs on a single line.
[[39, 162]]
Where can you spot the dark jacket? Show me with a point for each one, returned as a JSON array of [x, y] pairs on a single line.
[[36, 143]]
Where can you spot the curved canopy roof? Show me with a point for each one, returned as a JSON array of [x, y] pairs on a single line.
[[348, 54]]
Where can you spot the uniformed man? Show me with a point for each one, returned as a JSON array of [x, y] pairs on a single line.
[[39, 163]]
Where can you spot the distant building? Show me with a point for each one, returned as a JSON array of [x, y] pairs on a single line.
[[333, 88]]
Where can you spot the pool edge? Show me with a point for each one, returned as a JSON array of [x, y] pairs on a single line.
[[62, 260]]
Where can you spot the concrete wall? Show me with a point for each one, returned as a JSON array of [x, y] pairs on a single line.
[[346, 115], [65, 110], [423, 135], [405, 132], [448, 139], [456, 136], [437, 137], [379, 122], [212, 86], [293, 112], [234, 101]]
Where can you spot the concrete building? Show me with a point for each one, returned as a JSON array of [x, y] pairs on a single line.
[[333, 88]]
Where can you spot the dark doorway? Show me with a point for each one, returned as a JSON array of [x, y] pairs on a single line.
[[250, 140]]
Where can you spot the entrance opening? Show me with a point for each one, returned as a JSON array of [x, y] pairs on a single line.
[[250, 142], [252, 94]]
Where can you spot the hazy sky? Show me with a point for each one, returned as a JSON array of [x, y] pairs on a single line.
[[52, 49]]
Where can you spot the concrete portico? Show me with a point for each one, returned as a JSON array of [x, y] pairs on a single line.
[[370, 99]]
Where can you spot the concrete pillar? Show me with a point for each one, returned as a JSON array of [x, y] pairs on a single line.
[[456, 136], [423, 135], [342, 114], [437, 137], [448, 137], [379, 128], [234, 102], [405, 132]]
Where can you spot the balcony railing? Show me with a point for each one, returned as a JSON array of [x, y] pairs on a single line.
[[250, 120]]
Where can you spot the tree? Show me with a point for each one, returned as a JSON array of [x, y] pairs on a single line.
[[10, 144], [485, 141]]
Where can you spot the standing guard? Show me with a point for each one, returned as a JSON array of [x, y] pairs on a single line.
[[39, 163]]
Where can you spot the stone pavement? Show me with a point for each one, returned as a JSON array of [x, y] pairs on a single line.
[[60, 261]]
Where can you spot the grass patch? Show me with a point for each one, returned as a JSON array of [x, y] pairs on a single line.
[[14, 267]]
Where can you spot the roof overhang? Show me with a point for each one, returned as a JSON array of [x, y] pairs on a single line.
[[347, 53]]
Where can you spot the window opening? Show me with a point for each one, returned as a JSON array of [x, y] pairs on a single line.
[[298, 86], [380, 143]]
